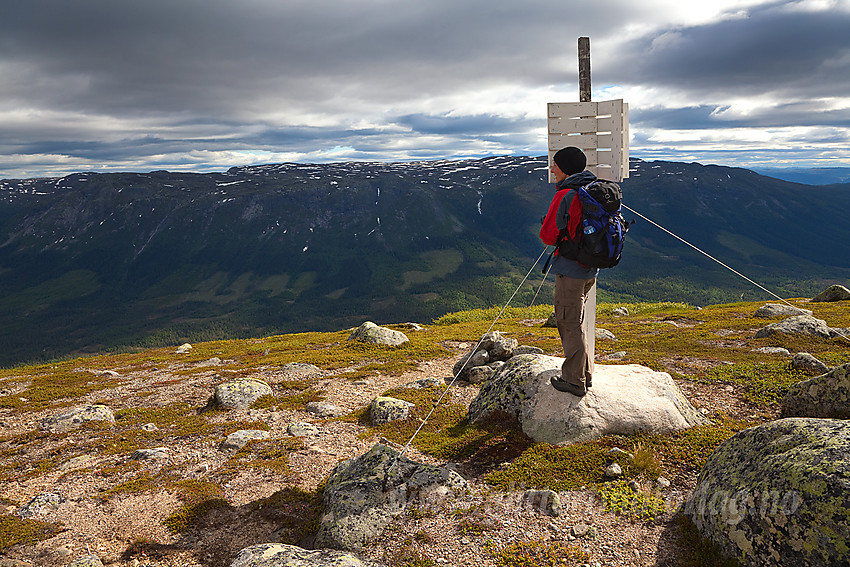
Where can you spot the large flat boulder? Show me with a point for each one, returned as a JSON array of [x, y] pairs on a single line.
[[779, 494], [624, 399], [827, 395], [362, 495]]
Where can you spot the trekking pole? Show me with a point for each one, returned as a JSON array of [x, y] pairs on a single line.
[[546, 275]]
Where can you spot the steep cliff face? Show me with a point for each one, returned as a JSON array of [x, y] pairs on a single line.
[[93, 260]]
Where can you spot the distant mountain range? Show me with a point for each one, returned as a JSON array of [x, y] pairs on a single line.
[[809, 176], [97, 261]]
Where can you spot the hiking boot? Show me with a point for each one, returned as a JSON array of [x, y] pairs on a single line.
[[564, 386]]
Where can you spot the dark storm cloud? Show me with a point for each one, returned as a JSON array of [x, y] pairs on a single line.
[[214, 83], [773, 49]]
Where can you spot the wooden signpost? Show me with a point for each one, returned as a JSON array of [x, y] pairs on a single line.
[[601, 131]]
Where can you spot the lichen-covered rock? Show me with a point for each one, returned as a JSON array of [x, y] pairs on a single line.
[[302, 429], [624, 399], [363, 494], [527, 349], [423, 383], [797, 325], [299, 369], [833, 293], [369, 332], [546, 501], [480, 374], [385, 409], [283, 555], [621, 312], [605, 334], [323, 409], [773, 350], [241, 392], [807, 363], [779, 494], [551, 321], [86, 561], [826, 396], [770, 310], [76, 417], [498, 346], [183, 349], [239, 439], [40, 505], [145, 454]]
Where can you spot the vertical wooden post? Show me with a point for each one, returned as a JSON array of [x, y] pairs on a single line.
[[584, 69], [584, 96]]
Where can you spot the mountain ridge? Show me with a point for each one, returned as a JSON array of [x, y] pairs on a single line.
[[92, 261]]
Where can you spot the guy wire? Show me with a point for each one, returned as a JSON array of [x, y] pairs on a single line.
[[469, 356], [734, 271], [457, 374]]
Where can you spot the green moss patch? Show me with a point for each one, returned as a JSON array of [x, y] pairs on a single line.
[[188, 515], [14, 531], [619, 498], [447, 434], [537, 554]]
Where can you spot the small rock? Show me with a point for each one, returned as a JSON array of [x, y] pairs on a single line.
[[87, 561], [546, 501], [618, 355], [613, 471], [424, 383], [386, 409], [580, 530], [239, 439], [145, 454], [75, 418], [552, 321], [214, 361], [807, 363], [302, 429], [662, 482], [369, 332], [617, 453], [183, 349], [621, 312], [634, 486], [605, 334], [149, 427], [479, 374], [779, 310], [772, 350], [241, 392], [833, 293], [42, 504], [323, 409]]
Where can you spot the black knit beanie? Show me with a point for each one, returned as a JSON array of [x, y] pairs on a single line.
[[570, 160]]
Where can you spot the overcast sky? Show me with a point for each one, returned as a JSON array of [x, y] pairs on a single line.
[[203, 85]]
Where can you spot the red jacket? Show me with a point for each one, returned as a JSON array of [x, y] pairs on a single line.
[[549, 232]]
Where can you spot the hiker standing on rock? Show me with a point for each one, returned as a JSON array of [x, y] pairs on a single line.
[[573, 281]]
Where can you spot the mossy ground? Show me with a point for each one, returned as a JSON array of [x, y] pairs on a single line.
[[702, 348]]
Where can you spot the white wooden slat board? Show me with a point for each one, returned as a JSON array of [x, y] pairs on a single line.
[[600, 129]]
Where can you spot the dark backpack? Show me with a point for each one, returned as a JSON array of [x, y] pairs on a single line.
[[596, 230]]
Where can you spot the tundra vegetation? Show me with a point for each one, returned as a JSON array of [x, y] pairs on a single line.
[[705, 350]]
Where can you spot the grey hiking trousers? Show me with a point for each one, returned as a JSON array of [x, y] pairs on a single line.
[[570, 297]]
